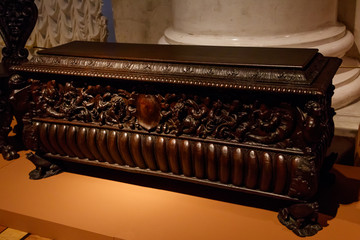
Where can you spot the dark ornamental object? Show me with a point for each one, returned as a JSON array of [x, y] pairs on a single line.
[[6, 115], [148, 111], [17, 20], [43, 169], [301, 218], [255, 120]]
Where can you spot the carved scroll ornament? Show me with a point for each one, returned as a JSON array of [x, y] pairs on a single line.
[[181, 114]]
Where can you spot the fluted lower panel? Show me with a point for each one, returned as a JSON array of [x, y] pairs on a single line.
[[267, 171]]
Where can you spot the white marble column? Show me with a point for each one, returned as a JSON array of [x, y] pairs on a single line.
[[271, 23], [296, 23]]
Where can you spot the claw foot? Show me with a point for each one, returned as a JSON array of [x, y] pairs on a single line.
[[43, 169], [301, 218]]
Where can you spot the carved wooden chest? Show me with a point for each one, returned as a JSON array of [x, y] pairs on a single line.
[[256, 120]]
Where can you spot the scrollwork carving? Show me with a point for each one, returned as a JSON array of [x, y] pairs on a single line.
[[181, 114], [304, 182]]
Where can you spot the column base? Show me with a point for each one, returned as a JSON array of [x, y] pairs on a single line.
[[347, 83], [347, 120], [331, 41]]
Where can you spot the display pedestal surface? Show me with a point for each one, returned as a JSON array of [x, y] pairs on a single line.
[[72, 206]]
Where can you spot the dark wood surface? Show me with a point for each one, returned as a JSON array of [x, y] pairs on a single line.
[[300, 71], [17, 20], [240, 126], [233, 56], [3, 71]]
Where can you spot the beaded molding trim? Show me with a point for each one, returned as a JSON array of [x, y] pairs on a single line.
[[245, 78]]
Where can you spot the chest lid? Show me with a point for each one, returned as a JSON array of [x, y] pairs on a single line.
[[209, 55], [266, 69]]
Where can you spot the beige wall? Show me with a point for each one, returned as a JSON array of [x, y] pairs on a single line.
[[144, 21], [140, 21]]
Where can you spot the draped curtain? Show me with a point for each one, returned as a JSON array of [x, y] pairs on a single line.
[[62, 21]]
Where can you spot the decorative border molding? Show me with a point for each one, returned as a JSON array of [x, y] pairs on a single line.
[[195, 74]]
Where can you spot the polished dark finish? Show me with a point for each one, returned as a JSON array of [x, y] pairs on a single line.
[[301, 218], [232, 56], [17, 20], [262, 129], [44, 168], [229, 67]]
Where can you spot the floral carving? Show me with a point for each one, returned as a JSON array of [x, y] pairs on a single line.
[[86, 104], [233, 120], [181, 114]]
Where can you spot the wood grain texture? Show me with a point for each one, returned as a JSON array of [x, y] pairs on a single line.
[[112, 145], [92, 144], [102, 144], [82, 141], [61, 137], [225, 165], [124, 150], [238, 167], [173, 156], [147, 150], [44, 138], [53, 139], [266, 172], [252, 170], [135, 149], [160, 154], [211, 163], [72, 141], [185, 158], [280, 174]]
